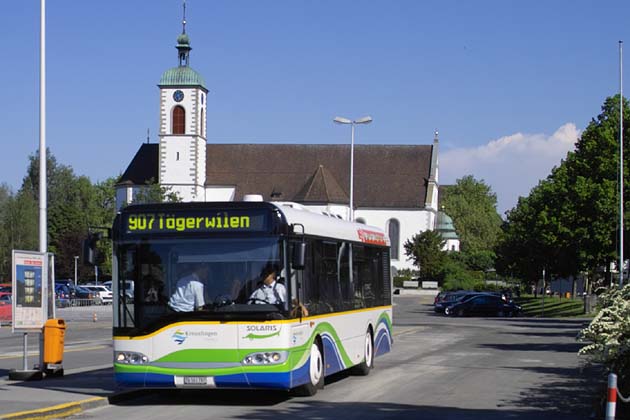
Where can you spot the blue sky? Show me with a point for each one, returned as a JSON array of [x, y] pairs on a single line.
[[509, 85]]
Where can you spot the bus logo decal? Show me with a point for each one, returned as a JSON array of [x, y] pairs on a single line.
[[179, 337], [253, 330]]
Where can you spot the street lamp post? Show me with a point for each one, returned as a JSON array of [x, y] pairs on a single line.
[[75, 269], [363, 120]]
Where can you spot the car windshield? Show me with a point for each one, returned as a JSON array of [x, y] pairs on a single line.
[[233, 267]]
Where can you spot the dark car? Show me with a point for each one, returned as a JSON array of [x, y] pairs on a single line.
[[62, 295], [444, 299], [81, 292], [483, 304]]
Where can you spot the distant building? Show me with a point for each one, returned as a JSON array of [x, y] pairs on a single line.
[[446, 228], [395, 186]]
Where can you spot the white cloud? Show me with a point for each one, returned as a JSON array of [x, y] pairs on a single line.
[[511, 165]]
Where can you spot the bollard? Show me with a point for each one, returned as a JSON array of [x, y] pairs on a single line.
[[612, 397]]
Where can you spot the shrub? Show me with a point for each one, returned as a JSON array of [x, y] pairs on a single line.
[[609, 335], [398, 281]]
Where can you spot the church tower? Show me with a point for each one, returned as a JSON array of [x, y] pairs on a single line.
[[182, 132]]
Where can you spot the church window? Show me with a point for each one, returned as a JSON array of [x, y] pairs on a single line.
[[201, 130], [393, 229], [179, 120]]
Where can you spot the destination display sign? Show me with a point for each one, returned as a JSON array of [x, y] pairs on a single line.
[[197, 221]]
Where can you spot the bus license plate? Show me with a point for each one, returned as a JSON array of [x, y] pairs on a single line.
[[195, 380]]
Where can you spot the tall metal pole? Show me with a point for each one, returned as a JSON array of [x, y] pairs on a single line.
[[621, 164], [42, 131], [43, 198], [75, 270], [351, 213]]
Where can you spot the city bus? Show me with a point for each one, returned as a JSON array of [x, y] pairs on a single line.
[[335, 312]]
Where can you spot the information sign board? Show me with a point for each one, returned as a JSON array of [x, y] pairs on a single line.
[[30, 274]]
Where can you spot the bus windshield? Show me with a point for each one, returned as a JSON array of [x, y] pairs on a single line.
[[199, 278]]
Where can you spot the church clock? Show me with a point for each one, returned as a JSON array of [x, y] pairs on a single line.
[[178, 95]]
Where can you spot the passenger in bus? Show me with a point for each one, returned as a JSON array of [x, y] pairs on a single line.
[[270, 290], [189, 293], [154, 289]]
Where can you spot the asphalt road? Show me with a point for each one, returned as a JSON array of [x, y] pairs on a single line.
[[440, 368], [88, 342]]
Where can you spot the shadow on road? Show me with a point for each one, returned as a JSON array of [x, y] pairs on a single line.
[[577, 390], [92, 383], [559, 347], [315, 410], [567, 334]]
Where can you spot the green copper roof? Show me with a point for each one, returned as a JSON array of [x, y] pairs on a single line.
[[445, 226], [182, 76], [183, 40]]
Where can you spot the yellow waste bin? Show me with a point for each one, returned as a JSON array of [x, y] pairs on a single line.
[[54, 333], [567, 295]]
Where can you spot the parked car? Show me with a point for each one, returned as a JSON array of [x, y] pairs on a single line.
[[62, 295], [102, 294], [129, 289], [445, 299], [80, 296], [6, 297], [6, 309], [483, 304]]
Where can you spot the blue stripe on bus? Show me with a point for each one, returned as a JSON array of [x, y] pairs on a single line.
[[332, 357], [382, 344], [275, 380]]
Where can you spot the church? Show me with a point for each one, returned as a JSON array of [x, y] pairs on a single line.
[[395, 186]]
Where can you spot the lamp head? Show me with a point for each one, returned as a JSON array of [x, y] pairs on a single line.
[[341, 120]]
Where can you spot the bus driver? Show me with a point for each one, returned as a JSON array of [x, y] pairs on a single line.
[[270, 291]]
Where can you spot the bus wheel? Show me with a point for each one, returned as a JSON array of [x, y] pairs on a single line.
[[315, 372], [366, 365]]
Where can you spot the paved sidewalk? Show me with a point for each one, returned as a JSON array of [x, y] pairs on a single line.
[[57, 397]]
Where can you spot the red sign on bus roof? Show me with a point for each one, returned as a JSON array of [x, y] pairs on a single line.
[[371, 237]]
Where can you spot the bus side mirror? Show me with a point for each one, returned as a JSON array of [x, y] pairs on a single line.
[[90, 252], [299, 255]]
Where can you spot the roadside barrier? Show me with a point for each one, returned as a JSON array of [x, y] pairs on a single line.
[[613, 392]]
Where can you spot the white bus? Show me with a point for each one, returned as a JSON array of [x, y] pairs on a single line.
[[333, 312]]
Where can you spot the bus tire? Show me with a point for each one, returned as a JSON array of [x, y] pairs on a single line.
[[315, 372], [364, 368]]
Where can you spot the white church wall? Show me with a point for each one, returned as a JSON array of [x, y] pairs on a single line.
[[451, 245], [411, 222], [124, 195], [220, 193], [176, 160], [189, 103]]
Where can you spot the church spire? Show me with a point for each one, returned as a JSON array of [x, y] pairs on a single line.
[[183, 43], [184, 20]]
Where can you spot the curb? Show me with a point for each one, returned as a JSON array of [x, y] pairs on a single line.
[[58, 411]]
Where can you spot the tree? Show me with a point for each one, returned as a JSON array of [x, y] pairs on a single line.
[[425, 249], [75, 206], [568, 223], [473, 207], [155, 193], [18, 226]]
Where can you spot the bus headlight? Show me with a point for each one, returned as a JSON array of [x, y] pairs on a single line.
[[130, 358], [265, 358]]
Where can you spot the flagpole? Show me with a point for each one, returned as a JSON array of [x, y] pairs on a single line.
[[621, 265]]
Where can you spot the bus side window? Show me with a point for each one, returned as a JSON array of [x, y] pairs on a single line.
[[346, 291]]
